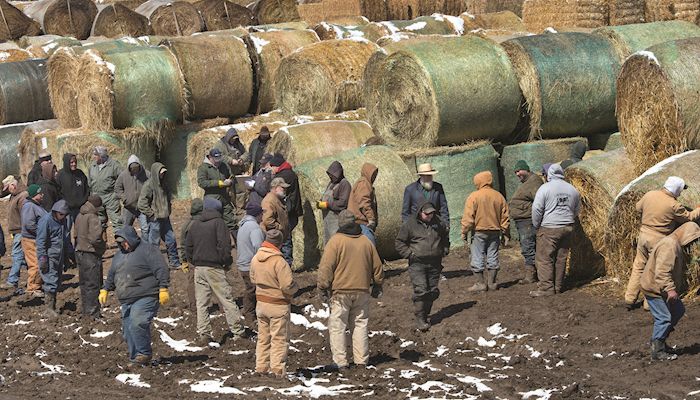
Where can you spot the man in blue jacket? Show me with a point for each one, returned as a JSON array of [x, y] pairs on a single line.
[[54, 252], [425, 189], [140, 276]]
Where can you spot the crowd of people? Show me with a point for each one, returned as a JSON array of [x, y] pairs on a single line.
[[60, 221]]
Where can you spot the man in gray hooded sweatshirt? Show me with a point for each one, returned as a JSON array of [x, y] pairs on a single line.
[[128, 189], [155, 202], [555, 210]]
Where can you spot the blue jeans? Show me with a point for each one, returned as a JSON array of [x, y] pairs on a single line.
[[18, 260], [369, 233], [666, 316], [130, 215], [136, 325], [484, 250], [288, 247], [528, 240], [162, 229]]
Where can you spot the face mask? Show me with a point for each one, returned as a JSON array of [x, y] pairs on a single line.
[[427, 185]]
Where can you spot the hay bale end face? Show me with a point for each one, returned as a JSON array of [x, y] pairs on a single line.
[[116, 20], [223, 14], [65, 18], [630, 39], [15, 23], [177, 18], [24, 93], [275, 11]]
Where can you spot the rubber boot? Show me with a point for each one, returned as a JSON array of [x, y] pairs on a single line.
[[530, 275], [480, 284], [50, 301], [419, 310], [491, 275], [659, 353]]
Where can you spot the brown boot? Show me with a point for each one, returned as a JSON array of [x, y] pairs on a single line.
[[480, 284], [530, 275]]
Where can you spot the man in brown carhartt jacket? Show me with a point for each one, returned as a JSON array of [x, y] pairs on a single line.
[[520, 207], [363, 202], [661, 214], [18, 195], [274, 211], [89, 248]]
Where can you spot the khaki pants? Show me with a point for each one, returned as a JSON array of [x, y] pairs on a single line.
[[273, 338], [645, 243], [34, 281], [208, 281], [552, 250], [349, 311]]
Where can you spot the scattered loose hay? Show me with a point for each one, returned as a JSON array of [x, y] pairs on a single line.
[[275, 11], [657, 102], [630, 39], [624, 12], [64, 17], [9, 145], [413, 98], [223, 14], [323, 77], [28, 148], [225, 91], [568, 82], [177, 18], [15, 23], [503, 20], [116, 20], [24, 95]]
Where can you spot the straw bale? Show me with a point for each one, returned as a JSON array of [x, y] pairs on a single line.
[[28, 148], [224, 14], [624, 12], [266, 50], [402, 9], [490, 6], [9, 145], [630, 39], [177, 18], [117, 20], [23, 92], [413, 99], [15, 23], [503, 20], [225, 91], [323, 77], [275, 11], [64, 17]]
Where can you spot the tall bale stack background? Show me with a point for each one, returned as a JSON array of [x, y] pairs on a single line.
[[15, 23], [223, 14], [630, 39], [116, 20], [177, 18], [275, 11], [24, 94]]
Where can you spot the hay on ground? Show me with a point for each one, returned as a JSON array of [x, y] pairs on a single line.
[[116, 20], [503, 20], [225, 91], [539, 15], [624, 12], [64, 17], [15, 23], [177, 18], [630, 39], [223, 14], [657, 102], [323, 77], [24, 95], [275, 11], [413, 98], [568, 83], [10, 136], [266, 50]]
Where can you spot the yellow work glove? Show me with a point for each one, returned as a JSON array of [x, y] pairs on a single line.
[[163, 296], [102, 297], [322, 205], [185, 267]]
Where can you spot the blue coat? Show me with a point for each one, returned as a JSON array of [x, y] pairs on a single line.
[[414, 196]]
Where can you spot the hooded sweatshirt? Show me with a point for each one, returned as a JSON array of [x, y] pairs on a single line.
[[154, 201], [128, 187], [664, 271], [578, 150], [272, 276], [73, 184], [88, 231], [49, 187], [338, 191], [53, 237], [208, 241], [557, 203], [662, 213], [248, 242], [363, 201], [485, 209]]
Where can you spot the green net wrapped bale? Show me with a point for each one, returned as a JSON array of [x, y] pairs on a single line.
[[657, 102], [309, 141], [624, 221], [224, 14], [24, 95], [117, 20], [568, 81], [614, 142], [628, 39], [414, 97], [9, 148], [64, 17], [456, 167], [391, 180], [598, 179], [172, 18]]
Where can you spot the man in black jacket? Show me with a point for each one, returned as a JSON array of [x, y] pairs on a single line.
[[208, 247], [282, 169], [74, 187], [424, 240], [425, 189]]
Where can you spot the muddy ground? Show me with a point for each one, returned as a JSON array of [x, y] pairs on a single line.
[[502, 344]]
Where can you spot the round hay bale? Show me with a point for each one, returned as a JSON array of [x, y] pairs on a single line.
[[141, 87], [266, 51], [568, 81], [323, 77], [117, 20], [392, 179], [630, 39], [598, 179], [503, 20], [10, 136], [223, 14], [657, 102], [223, 92], [282, 26], [24, 95], [64, 17], [309, 141], [275, 11], [624, 12], [177, 18], [15, 23], [413, 98]]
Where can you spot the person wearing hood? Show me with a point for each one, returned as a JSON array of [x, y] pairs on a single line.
[[662, 280], [90, 246], [274, 290], [282, 169], [424, 240], [578, 150], [425, 189], [31, 213], [54, 251], [363, 201], [18, 196], [555, 210], [49, 186], [73, 184], [35, 173], [250, 238], [349, 269], [128, 189], [257, 149], [155, 203], [102, 178], [215, 177], [208, 245], [141, 278], [334, 199], [661, 214], [520, 207], [196, 208]]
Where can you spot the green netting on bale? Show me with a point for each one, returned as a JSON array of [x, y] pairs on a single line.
[[9, 143], [24, 94], [391, 180], [614, 142], [456, 167], [628, 39]]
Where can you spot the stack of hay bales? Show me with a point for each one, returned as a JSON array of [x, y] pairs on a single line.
[[10, 136], [177, 18], [275, 11], [15, 23], [65, 18], [27, 148], [24, 94], [630, 39], [117, 20], [223, 14], [541, 14]]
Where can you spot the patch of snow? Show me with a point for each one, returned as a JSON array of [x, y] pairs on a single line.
[[441, 350], [311, 311], [53, 369], [168, 320], [539, 394], [409, 373], [485, 343], [132, 380], [19, 322], [101, 334], [214, 386], [496, 329], [259, 43], [476, 382], [178, 345], [656, 168], [298, 319]]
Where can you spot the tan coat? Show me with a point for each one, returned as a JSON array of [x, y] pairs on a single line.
[[363, 202], [662, 213], [486, 209], [272, 276], [350, 263], [664, 269], [274, 215]]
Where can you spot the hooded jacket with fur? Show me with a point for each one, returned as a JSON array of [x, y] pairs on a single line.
[[486, 208], [155, 198], [664, 271], [73, 184], [557, 203], [363, 201], [128, 187]]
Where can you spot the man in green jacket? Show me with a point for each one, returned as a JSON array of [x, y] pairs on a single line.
[[154, 203], [521, 211], [214, 176], [102, 176]]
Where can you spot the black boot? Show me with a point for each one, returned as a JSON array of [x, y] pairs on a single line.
[[480, 284], [419, 310], [50, 301], [491, 279], [659, 353]]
